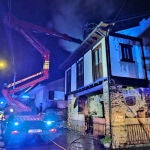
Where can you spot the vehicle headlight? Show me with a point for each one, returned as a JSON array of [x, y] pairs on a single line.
[[49, 122]]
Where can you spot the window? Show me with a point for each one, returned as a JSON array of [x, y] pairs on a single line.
[[51, 95], [80, 73], [97, 62], [68, 86], [126, 51]]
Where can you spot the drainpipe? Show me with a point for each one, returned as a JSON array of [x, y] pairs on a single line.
[[109, 76]]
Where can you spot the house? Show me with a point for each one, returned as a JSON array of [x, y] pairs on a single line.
[[50, 95], [106, 79]]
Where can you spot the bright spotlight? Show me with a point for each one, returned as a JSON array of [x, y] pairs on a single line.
[[2, 102], [11, 110], [49, 122], [16, 123]]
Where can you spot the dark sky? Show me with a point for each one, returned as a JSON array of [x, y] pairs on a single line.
[[64, 16]]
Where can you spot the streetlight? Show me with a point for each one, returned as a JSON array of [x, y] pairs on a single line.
[[3, 64]]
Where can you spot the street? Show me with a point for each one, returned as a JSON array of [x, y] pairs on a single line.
[[64, 139]]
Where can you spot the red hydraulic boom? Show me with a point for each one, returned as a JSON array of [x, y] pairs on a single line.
[[26, 30]]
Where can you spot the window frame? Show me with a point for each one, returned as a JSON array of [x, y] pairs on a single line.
[[80, 73], [68, 80], [126, 52], [96, 62]]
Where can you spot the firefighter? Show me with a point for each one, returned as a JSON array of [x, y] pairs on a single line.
[[2, 117]]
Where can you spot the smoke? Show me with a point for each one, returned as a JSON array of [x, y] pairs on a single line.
[[144, 24], [69, 17], [66, 20]]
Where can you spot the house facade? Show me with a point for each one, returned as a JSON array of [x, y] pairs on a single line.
[[106, 81], [50, 95]]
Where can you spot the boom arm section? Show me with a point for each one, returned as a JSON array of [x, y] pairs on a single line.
[[26, 30], [32, 80], [16, 23]]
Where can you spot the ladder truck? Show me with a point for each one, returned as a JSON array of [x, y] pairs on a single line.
[[27, 29]]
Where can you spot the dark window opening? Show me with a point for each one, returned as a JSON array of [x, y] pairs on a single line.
[[68, 84], [80, 73], [51, 95], [126, 51]]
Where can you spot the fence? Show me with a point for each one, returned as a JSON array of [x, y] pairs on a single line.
[[133, 132], [138, 134]]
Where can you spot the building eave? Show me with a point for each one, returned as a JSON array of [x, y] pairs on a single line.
[[96, 35]]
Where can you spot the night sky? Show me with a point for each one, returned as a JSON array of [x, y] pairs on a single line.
[[64, 16]]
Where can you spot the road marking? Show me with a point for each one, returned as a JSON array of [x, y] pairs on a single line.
[[58, 145]]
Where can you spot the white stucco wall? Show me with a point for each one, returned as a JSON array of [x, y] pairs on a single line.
[[88, 73], [73, 77], [126, 69], [88, 68], [65, 81], [104, 59]]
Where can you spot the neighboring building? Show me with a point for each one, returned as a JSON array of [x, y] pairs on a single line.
[[49, 95], [106, 79]]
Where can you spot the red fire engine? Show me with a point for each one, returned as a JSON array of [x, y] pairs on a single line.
[[26, 29]]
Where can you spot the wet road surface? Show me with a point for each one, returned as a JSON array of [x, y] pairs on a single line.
[[63, 140]]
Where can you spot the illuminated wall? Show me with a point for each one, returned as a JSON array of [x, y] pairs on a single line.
[[125, 68], [88, 68], [95, 105], [88, 74], [130, 109], [73, 77]]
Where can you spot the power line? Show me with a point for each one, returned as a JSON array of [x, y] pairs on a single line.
[[128, 18]]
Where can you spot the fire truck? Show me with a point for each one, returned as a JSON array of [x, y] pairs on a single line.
[[15, 121]]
